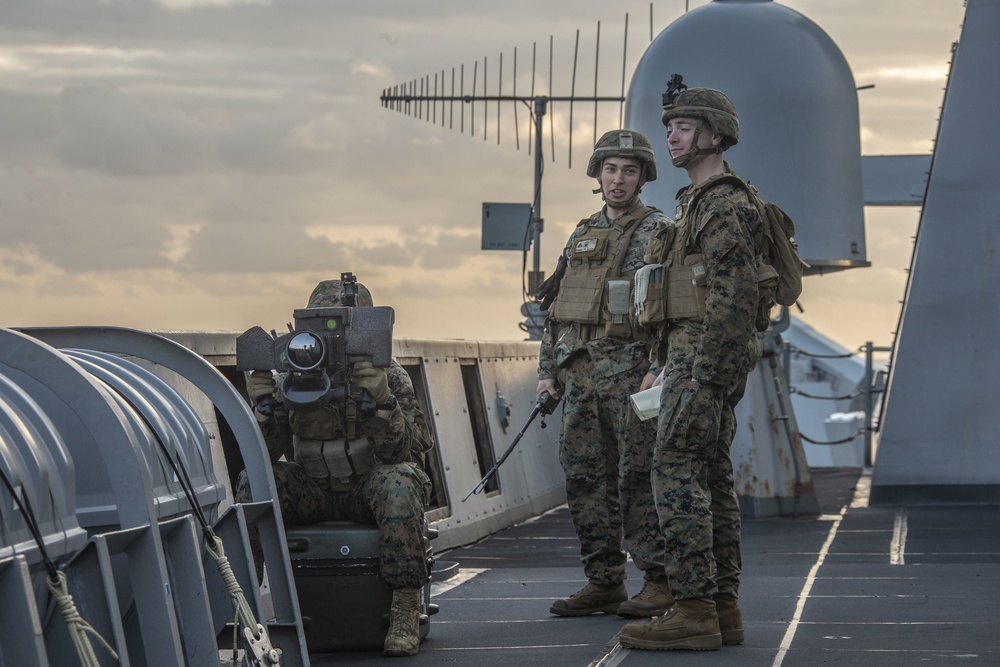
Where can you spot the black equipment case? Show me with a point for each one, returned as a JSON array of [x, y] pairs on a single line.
[[344, 604]]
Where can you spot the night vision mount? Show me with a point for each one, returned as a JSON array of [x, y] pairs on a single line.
[[675, 86], [316, 355]]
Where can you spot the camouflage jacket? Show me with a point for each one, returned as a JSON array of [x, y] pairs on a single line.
[[720, 229]]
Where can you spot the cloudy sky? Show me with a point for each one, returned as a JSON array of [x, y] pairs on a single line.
[[202, 164]]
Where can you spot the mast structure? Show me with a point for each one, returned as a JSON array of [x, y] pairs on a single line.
[[423, 97]]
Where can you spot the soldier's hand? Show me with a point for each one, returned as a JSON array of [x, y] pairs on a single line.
[[373, 379], [260, 385], [546, 385], [650, 380]]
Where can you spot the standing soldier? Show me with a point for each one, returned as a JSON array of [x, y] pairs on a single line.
[[708, 346], [350, 465], [594, 354]]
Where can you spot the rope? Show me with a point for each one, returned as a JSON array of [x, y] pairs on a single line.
[[832, 442], [78, 627], [846, 355], [804, 394], [256, 635], [244, 613]]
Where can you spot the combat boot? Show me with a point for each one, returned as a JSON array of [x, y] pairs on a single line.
[[730, 619], [690, 624], [403, 637], [653, 600], [591, 599]]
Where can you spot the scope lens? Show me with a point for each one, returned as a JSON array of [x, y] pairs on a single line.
[[305, 351]]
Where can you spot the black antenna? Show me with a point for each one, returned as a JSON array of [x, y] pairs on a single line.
[[403, 98]]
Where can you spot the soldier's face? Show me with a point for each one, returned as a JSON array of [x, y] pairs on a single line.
[[621, 178], [681, 135]]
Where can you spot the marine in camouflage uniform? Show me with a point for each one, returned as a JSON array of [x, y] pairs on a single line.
[[391, 495], [708, 347], [594, 349]]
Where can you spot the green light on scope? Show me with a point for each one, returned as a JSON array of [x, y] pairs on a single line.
[[331, 324]]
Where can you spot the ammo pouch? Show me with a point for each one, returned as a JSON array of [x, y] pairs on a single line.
[[619, 308], [651, 280], [686, 290], [650, 294], [338, 463]]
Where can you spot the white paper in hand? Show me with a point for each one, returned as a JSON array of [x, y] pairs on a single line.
[[647, 403]]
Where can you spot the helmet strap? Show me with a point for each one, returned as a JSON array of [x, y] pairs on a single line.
[[685, 159], [626, 205]]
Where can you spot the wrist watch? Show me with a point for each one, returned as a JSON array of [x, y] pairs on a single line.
[[388, 405]]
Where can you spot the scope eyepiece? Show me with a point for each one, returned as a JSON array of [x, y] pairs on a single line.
[[305, 351]]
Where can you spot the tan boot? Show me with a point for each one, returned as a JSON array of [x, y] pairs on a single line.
[[403, 637], [653, 600], [690, 624], [730, 619], [591, 599]]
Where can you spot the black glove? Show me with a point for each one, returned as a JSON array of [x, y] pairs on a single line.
[[549, 288]]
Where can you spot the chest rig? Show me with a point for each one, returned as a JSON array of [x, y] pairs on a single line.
[[594, 294], [671, 287], [685, 271], [330, 446]]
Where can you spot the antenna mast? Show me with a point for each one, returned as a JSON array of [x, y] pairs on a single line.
[[421, 100]]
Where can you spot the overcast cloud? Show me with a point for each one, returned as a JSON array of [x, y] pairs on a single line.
[[203, 163]]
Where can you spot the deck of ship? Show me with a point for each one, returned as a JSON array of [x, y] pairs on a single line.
[[856, 585]]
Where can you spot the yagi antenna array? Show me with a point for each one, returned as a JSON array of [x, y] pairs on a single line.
[[433, 98]]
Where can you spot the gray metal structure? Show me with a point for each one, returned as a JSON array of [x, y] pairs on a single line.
[[940, 425], [83, 412], [143, 577], [796, 98], [35, 462], [895, 180]]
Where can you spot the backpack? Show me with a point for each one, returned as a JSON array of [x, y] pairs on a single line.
[[779, 266]]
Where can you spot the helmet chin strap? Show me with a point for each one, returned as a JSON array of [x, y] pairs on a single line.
[[626, 205], [632, 200], [693, 152]]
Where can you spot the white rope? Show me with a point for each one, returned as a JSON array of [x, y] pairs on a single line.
[[244, 614], [256, 636], [78, 627]]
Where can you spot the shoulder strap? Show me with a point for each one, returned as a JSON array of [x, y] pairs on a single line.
[[621, 232], [727, 179]]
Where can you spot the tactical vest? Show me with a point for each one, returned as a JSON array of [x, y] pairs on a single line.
[[673, 281], [329, 446], [594, 293]]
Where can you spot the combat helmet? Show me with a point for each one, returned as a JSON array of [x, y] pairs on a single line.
[[623, 143], [706, 104], [331, 293]]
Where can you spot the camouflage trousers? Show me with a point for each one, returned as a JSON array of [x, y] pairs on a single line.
[[606, 453], [692, 479], [390, 497]]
